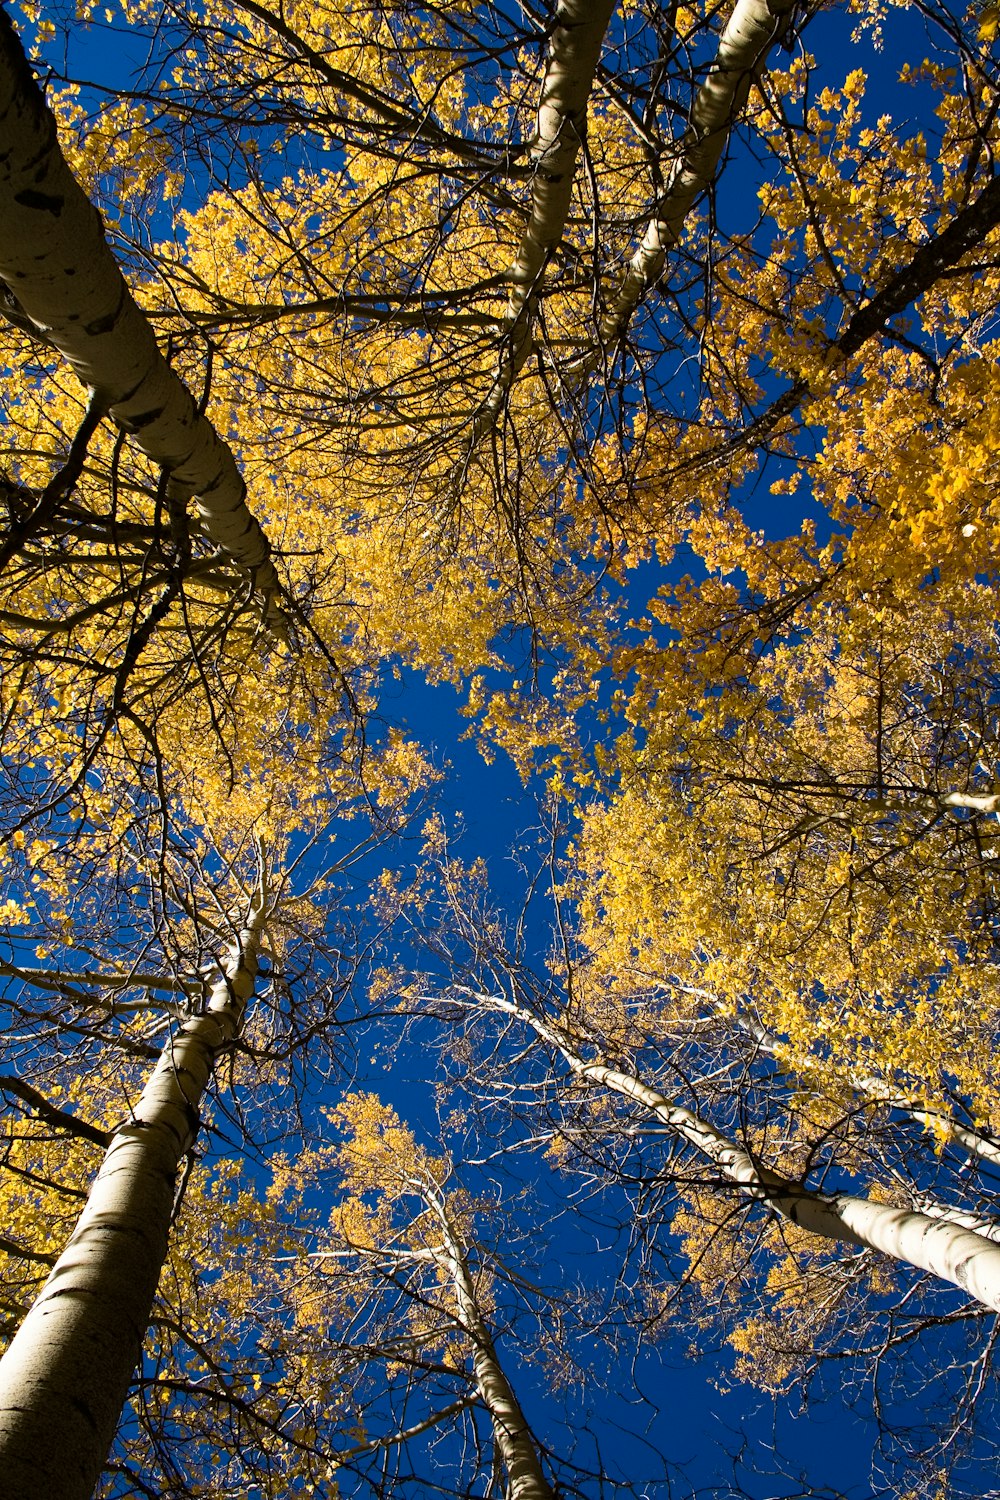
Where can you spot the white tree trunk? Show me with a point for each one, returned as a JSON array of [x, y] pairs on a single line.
[[57, 264], [511, 1433], [560, 129], [743, 47], [934, 1208], [66, 1374], [944, 1248]]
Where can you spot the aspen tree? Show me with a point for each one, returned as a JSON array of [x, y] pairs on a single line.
[[761, 1200], [945, 1247], [815, 857], [63, 284], [511, 1433], [401, 1216], [785, 879], [560, 131], [746, 39], [221, 892], [65, 1375]]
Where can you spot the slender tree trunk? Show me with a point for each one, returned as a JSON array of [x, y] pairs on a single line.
[[511, 1433], [945, 1248], [65, 1377], [560, 130], [62, 282], [743, 47]]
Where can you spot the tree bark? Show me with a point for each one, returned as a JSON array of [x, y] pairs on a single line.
[[560, 130], [944, 1248], [66, 1374], [743, 47], [511, 1433], [66, 286]]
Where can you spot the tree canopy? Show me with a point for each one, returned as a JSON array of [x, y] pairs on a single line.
[[619, 387]]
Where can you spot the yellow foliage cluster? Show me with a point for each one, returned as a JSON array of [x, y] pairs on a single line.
[[783, 768]]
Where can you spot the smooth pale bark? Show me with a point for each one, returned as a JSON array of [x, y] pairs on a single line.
[[945, 1248], [975, 1143], [66, 1374], [935, 1209], [57, 264], [743, 48], [984, 802], [560, 130], [511, 1433]]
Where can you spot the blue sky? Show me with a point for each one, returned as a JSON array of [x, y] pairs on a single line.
[[695, 1413]]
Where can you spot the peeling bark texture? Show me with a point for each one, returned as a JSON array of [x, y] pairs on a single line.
[[743, 48], [560, 130], [63, 278], [66, 1374], [944, 1248]]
